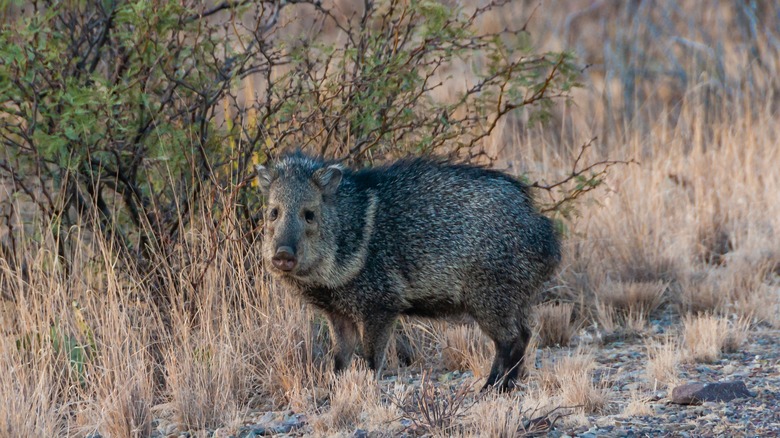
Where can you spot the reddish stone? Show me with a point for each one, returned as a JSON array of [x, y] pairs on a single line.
[[696, 393]]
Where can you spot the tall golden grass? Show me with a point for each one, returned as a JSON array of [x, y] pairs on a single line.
[[699, 218]]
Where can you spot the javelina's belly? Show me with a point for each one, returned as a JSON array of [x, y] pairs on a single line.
[[433, 298], [434, 306]]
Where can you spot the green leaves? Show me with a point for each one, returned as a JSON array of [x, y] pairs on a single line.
[[127, 111]]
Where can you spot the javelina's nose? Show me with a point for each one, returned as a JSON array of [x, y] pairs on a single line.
[[284, 259]]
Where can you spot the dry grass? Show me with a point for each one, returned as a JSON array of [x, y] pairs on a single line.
[[25, 387], [625, 307], [745, 287], [637, 405], [577, 388], [554, 324], [641, 298], [616, 322], [694, 225], [702, 292], [465, 347], [496, 416], [569, 379], [705, 337], [662, 361], [353, 397], [436, 409]]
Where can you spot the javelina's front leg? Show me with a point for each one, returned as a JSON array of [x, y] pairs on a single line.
[[376, 333], [344, 335]]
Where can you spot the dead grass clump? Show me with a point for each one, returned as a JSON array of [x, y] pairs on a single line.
[[465, 347], [702, 293], [737, 335], [496, 416], [626, 306], [633, 296], [554, 322], [291, 375], [353, 396], [288, 346], [607, 318], [662, 361], [762, 305], [127, 409], [740, 287], [713, 240], [754, 289], [578, 389], [125, 389], [616, 323], [436, 409], [705, 337], [570, 379], [637, 406], [203, 380], [28, 395]]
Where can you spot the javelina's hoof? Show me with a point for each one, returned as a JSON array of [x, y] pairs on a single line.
[[502, 386]]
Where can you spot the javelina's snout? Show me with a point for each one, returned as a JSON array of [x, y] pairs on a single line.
[[284, 259]]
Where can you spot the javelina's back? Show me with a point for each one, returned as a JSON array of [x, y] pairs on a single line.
[[417, 237], [441, 227]]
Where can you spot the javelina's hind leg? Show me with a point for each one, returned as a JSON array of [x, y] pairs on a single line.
[[509, 361], [516, 366], [498, 369], [376, 333], [344, 335]]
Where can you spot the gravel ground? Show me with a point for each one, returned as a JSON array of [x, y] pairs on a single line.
[[757, 365], [620, 367]]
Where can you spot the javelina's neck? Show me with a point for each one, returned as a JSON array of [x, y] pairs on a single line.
[[354, 212]]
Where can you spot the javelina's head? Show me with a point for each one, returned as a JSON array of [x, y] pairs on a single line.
[[299, 215]]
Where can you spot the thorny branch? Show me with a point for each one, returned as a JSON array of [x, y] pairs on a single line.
[[588, 178]]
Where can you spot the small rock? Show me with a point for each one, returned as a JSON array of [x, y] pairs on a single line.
[[360, 433], [253, 432], [696, 393], [634, 386], [658, 395]]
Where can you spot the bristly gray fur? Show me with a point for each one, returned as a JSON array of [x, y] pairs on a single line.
[[417, 237]]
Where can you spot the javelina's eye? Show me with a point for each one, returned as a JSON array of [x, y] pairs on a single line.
[[273, 214], [309, 216]]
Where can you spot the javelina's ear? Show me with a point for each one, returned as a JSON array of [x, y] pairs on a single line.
[[265, 177], [328, 178]]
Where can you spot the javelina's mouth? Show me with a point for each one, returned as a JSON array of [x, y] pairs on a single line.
[[295, 272], [284, 270], [285, 265]]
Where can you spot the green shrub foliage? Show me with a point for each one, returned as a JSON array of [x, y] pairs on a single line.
[[128, 115]]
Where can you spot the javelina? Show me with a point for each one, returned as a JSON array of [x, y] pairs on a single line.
[[418, 237]]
